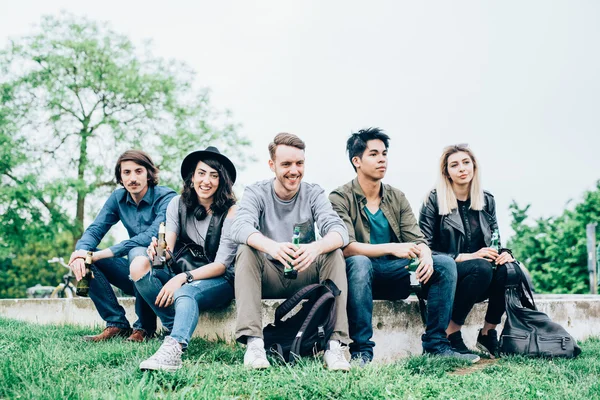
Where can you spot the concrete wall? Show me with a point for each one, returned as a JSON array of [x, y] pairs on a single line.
[[397, 324]]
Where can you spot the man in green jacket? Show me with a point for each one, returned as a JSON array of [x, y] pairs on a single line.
[[383, 239]]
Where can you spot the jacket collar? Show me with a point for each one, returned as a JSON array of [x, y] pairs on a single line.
[[360, 195], [455, 221]]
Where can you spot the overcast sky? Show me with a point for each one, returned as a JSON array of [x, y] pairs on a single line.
[[517, 80]]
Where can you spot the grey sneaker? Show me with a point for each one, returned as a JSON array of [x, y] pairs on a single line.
[[472, 358], [361, 360], [166, 358], [256, 356], [334, 358]]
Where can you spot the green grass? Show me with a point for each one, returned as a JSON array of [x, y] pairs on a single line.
[[52, 362]]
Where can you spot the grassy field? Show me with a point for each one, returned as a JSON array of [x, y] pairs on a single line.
[[52, 362]]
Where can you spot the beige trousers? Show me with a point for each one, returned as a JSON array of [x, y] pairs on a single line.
[[257, 277]]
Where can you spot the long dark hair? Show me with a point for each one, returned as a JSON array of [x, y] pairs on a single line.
[[141, 158], [223, 198]]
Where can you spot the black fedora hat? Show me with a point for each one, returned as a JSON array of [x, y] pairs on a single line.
[[191, 160]]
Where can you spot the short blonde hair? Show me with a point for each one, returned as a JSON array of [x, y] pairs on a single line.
[[446, 197], [285, 139]]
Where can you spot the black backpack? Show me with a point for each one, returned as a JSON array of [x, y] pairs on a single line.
[[528, 331], [306, 332]]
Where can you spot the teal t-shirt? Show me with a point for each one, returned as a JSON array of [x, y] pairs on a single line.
[[380, 227]]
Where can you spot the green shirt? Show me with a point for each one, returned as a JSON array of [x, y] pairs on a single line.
[[349, 202], [380, 227]]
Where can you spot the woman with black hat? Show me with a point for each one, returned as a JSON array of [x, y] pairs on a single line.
[[201, 218]]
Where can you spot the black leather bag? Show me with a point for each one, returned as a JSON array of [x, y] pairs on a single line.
[[188, 258], [527, 331]]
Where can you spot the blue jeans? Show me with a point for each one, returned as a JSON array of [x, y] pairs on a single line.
[[388, 279], [191, 299], [149, 285], [116, 271]]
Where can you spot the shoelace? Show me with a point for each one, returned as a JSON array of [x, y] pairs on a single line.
[[338, 354], [167, 351], [257, 352]]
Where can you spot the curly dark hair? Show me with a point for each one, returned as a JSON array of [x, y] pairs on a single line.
[[223, 198]]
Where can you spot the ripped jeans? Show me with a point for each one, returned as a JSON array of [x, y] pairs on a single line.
[[116, 271], [149, 285], [180, 318]]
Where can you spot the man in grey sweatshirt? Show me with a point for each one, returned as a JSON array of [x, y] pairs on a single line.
[[264, 223]]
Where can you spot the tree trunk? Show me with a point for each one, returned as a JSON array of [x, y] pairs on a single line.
[[81, 191]]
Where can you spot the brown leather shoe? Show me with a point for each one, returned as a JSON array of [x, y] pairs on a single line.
[[138, 336], [108, 333]]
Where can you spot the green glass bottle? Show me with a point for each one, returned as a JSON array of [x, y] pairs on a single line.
[[83, 286], [289, 272], [495, 244]]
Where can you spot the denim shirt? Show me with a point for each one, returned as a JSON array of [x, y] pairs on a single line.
[[140, 220]]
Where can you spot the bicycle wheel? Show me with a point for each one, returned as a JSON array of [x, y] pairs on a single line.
[[60, 292]]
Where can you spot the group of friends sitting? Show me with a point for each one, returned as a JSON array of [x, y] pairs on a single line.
[[367, 237]]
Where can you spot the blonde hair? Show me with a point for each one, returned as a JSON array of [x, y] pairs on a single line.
[[446, 198]]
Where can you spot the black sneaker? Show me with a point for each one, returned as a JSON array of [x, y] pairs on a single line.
[[457, 343], [488, 343]]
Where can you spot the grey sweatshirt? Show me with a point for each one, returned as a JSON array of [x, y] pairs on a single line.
[[260, 210]]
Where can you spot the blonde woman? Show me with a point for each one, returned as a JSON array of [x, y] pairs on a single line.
[[459, 219]]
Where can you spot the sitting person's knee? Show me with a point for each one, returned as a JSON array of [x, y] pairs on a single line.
[[445, 266], [139, 267], [137, 252], [246, 256], [183, 293], [358, 265]]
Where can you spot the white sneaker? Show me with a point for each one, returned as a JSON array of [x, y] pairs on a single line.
[[334, 358], [256, 356], [166, 358]]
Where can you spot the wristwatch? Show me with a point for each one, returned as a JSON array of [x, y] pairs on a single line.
[[189, 278]]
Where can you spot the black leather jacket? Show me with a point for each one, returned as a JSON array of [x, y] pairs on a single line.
[[445, 233]]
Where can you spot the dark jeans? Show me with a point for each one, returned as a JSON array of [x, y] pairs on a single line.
[[116, 271], [478, 280], [388, 279]]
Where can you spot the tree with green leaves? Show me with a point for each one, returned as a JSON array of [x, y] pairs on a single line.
[[74, 95], [554, 249]]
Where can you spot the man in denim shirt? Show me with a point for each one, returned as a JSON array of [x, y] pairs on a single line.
[[141, 206]]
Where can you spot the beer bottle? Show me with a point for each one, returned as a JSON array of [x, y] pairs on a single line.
[[495, 244], [289, 272], [415, 285], [161, 248], [83, 286]]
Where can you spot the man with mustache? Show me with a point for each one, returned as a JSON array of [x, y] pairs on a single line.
[[141, 206], [384, 238], [267, 216]]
